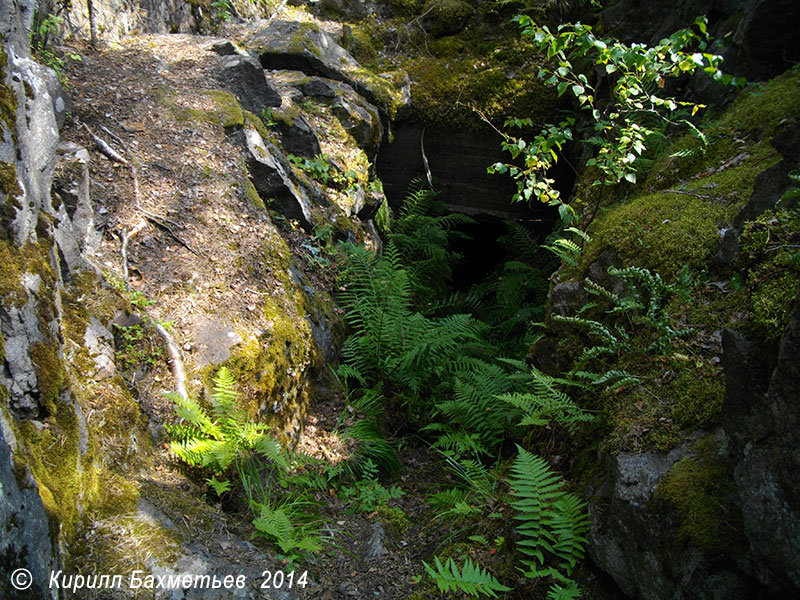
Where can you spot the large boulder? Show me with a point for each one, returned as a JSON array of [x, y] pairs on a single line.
[[244, 76], [297, 137], [643, 545], [308, 48]]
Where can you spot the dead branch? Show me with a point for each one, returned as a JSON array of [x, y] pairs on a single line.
[[105, 148], [175, 361], [115, 137], [425, 159], [277, 10]]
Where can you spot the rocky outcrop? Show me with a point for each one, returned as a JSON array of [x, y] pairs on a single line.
[[767, 479], [308, 48], [273, 178], [244, 76], [26, 542]]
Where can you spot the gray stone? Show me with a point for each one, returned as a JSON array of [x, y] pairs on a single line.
[[308, 48], [351, 9], [244, 76], [298, 137], [228, 48], [318, 87], [26, 542], [37, 137], [273, 178], [727, 255], [633, 538], [74, 229], [361, 120], [746, 382], [167, 16], [768, 188], [369, 205], [213, 341], [375, 544], [20, 330], [100, 344], [768, 478], [565, 298]]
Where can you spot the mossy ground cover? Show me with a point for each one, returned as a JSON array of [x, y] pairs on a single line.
[[689, 198]]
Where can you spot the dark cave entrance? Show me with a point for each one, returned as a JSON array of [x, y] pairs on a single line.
[[458, 159]]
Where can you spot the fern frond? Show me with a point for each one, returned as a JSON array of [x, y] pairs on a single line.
[[553, 522], [470, 579], [569, 591]]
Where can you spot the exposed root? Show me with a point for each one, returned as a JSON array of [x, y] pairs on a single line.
[[175, 361]]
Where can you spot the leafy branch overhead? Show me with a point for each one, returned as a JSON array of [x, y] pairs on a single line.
[[620, 128]]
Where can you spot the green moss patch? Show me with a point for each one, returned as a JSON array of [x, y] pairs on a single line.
[[452, 88], [771, 245], [193, 517], [125, 543], [228, 110], [698, 489], [764, 107], [50, 373], [662, 232]]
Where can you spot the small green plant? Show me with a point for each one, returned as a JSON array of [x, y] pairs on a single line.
[[225, 441], [552, 523], [470, 579], [637, 322], [222, 8], [134, 348], [135, 297], [266, 117], [43, 28], [319, 167], [545, 403], [638, 111], [367, 494]]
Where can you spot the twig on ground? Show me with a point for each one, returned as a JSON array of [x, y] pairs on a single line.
[[103, 146], [175, 361]]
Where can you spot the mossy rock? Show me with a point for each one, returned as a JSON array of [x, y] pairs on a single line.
[[700, 491], [446, 17], [763, 107], [661, 232], [773, 270], [407, 8]]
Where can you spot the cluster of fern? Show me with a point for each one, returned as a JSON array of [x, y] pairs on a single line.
[[225, 443], [411, 363]]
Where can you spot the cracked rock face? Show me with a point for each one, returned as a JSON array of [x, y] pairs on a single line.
[[273, 179], [25, 543], [244, 76]]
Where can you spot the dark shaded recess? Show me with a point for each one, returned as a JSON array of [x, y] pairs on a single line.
[[458, 159], [758, 37], [480, 251]]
